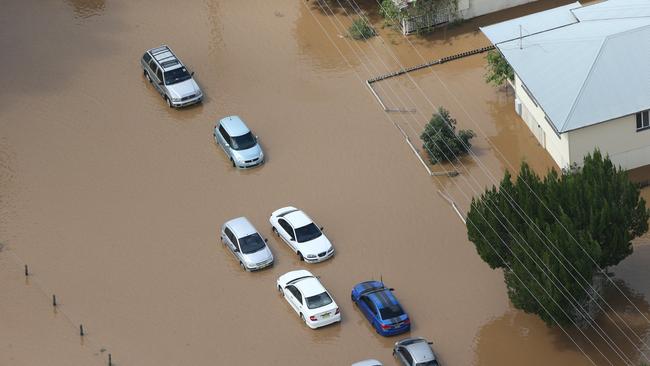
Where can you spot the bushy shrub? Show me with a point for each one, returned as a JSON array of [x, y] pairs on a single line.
[[441, 141], [361, 29]]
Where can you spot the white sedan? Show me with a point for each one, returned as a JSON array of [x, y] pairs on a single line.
[[304, 292], [301, 234]]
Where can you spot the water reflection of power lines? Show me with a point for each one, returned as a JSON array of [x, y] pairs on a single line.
[[599, 330]]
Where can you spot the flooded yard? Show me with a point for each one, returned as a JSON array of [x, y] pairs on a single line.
[[115, 201]]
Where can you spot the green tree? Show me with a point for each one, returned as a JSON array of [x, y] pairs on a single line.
[[498, 69], [391, 13], [544, 233], [361, 29], [440, 139]]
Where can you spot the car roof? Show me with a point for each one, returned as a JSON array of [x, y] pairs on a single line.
[[372, 362], [297, 219], [165, 58], [419, 349], [309, 286], [241, 227], [234, 125], [382, 299]]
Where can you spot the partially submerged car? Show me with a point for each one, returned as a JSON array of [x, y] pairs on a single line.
[[301, 234], [170, 77], [381, 308], [415, 352], [304, 292], [246, 244], [368, 363], [238, 142]]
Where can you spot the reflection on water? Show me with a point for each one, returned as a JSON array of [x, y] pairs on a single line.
[[87, 8], [517, 338]]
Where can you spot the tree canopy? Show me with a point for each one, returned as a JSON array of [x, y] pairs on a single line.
[[441, 141], [552, 235], [498, 69]]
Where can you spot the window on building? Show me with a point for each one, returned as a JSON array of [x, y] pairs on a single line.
[[642, 120]]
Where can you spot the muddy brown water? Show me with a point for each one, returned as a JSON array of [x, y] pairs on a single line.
[[115, 201]]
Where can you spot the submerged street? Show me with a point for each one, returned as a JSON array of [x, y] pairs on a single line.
[[115, 201]]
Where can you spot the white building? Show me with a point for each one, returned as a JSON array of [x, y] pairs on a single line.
[[582, 78], [466, 9]]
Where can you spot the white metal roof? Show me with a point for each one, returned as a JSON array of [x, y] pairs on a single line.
[[531, 24], [590, 71]]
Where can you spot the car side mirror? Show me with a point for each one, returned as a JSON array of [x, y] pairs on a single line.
[[192, 73], [236, 250], [292, 239], [391, 289], [226, 144], [266, 240], [160, 83], [322, 228], [430, 343]]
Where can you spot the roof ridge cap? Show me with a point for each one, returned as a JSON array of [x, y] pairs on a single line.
[[584, 83]]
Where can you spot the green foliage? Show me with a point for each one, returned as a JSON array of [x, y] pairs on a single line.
[[361, 29], [594, 211], [423, 9], [440, 139], [390, 12], [498, 69]]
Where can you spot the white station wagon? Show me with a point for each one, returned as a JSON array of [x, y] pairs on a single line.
[[301, 234], [304, 292]]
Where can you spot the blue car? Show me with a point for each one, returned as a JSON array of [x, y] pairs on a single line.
[[381, 308]]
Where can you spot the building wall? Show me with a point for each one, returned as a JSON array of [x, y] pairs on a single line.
[[473, 8], [533, 116], [618, 138]]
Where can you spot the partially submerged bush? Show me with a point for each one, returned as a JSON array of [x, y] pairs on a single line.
[[361, 29], [441, 141]]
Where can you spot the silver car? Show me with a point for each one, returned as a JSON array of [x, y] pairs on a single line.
[[246, 244], [368, 363], [239, 143], [415, 352], [170, 77]]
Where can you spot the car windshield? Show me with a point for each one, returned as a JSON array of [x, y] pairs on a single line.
[[308, 232], [243, 142], [176, 76], [317, 301], [391, 311], [251, 244]]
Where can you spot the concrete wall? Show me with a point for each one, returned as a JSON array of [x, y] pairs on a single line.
[[533, 116], [618, 138], [473, 8]]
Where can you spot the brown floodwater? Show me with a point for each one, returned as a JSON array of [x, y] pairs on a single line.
[[115, 201]]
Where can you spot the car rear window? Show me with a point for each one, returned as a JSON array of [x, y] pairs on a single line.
[[317, 301], [391, 311]]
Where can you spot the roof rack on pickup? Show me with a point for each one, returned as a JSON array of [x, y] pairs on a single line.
[[164, 56]]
